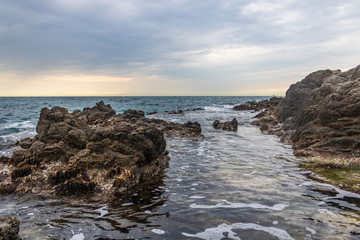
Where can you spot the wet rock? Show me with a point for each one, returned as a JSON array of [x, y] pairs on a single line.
[[4, 159], [90, 152], [257, 106], [320, 114], [228, 126], [188, 129], [9, 228], [176, 112]]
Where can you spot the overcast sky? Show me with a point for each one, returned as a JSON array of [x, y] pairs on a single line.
[[172, 47]]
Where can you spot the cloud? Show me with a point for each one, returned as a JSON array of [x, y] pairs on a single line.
[[199, 46]]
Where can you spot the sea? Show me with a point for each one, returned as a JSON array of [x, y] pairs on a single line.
[[227, 185]]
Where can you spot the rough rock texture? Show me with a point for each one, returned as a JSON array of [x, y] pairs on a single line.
[[90, 152], [257, 106], [320, 114], [229, 126], [9, 228]]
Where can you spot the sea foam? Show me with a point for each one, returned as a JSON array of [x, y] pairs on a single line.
[[226, 230]]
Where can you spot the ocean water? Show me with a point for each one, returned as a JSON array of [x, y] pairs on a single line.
[[228, 185]]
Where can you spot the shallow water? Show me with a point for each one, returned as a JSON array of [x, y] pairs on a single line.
[[229, 185]]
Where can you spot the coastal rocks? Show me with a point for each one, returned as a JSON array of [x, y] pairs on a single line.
[[229, 125], [257, 106], [100, 111], [320, 114], [9, 228], [90, 152]]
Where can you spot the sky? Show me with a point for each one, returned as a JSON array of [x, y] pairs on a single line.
[[172, 47]]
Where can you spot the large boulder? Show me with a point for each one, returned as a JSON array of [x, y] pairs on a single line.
[[320, 114], [90, 152], [73, 155]]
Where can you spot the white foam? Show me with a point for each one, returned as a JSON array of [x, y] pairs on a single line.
[[227, 204], [102, 211], [312, 231], [158, 231], [126, 204], [275, 222], [147, 212], [226, 230], [79, 236], [184, 167], [341, 193], [197, 197]]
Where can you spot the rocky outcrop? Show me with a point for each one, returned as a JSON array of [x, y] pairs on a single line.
[[257, 106], [229, 125], [9, 228], [319, 115], [90, 152]]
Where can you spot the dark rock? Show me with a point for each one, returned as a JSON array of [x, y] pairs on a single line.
[[257, 106], [319, 115], [90, 152], [4, 159], [9, 228], [100, 111], [228, 126], [25, 143], [176, 112]]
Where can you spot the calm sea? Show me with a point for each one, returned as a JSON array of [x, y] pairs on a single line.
[[228, 185]]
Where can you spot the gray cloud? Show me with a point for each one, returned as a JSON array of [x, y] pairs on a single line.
[[190, 41]]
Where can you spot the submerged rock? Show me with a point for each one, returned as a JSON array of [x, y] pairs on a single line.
[[9, 228], [319, 115], [229, 125], [90, 152]]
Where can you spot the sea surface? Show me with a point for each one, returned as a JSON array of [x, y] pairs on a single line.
[[228, 185]]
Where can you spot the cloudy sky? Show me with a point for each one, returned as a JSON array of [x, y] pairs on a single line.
[[172, 47]]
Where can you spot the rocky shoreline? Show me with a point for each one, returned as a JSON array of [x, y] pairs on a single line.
[[320, 118], [93, 152]]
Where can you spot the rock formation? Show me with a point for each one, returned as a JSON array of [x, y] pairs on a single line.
[[257, 106], [9, 228], [90, 152], [319, 115], [229, 125]]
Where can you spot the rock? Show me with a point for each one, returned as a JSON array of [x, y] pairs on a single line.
[[320, 114], [9, 228], [189, 129], [257, 106], [229, 126], [90, 152], [100, 111], [176, 112]]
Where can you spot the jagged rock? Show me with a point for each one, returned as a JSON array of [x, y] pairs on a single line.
[[90, 152], [320, 114], [9, 228], [100, 111], [257, 106], [229, 126]]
